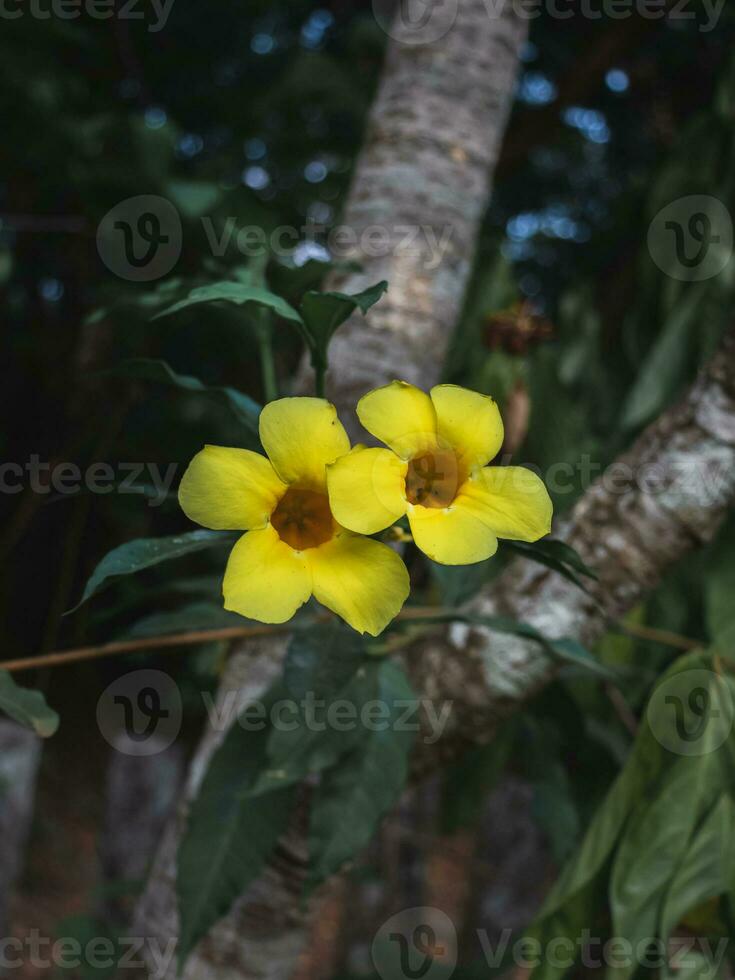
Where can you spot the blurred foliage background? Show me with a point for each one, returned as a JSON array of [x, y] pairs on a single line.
[[256, 111]]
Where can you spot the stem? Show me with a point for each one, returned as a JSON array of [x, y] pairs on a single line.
[[60, 657], [320, 368], [267, 362], [425, 613], [665, 637]]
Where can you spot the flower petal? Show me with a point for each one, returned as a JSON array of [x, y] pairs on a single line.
[[367, 489], [511, 500], [265, 579], [301, 436], [401, 416], [451, 535], [363, 581], [469, 422], [230, 489]]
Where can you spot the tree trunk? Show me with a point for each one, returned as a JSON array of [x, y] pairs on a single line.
[[264, 932], [666, 496], [141, 793], [425, 171], [420, 189], [20, 754]]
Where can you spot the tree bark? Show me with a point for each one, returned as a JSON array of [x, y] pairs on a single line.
[[141, 793], [432, 140], [630, 535], [425, 171], [666, 496], [20, 754], [264, 932], [420, 188]]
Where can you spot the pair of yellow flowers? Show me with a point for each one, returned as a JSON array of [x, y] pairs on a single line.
[[307, 506]]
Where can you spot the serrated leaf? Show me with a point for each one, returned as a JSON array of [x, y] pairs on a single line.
[[245, 410], [27, 707], [324, 313], [354, 796], [229, 835], [142, 553], [235, 292]]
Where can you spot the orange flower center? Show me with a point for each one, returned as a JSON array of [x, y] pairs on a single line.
[[433, 479], [303, 519]]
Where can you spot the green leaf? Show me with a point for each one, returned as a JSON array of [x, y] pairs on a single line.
[[553, 807], [647, 758], [229, 835], [354, 796], [663, 822], [719, 591], [657, 835], [192, 617], [457, 584], [235, 292], [194, 198], [245, 410], [703, 872], [319, 730], [573, 652], [469, 781], [556, 555], [134, 556], [568, 921], [323, 313], [322, 659], [665, 367], [27, 707]]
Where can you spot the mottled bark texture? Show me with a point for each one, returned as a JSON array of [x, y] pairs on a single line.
[[667, 495], [20, 754], [420, 188], [423, 179], [264, 933], [432, 140], [141, 793]]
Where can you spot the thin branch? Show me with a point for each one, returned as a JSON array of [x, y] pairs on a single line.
[[622, 708], [60, 658], [666, 637]]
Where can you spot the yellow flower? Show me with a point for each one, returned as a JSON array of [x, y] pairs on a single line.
[[435, 472], [294, 548]]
